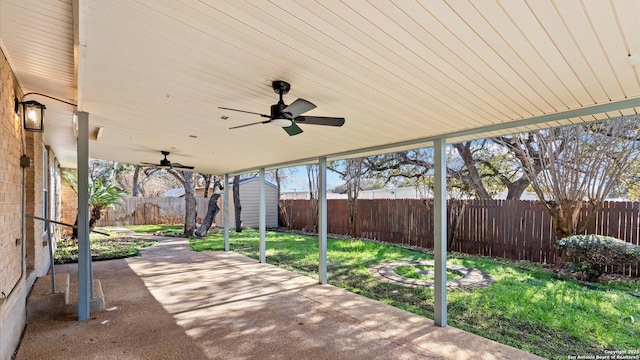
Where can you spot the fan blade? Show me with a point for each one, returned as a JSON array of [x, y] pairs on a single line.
[[255, 123], [243, 111], [178, 165], [149, 164], [300, 106], [319, 120], [293, 129]]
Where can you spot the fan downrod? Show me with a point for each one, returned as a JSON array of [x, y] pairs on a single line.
[[280, 87]]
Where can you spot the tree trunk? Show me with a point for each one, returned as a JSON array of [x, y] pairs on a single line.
[[473, 179], [456, 209], [207, 184], [236, 203], [278, 183], [517, 188], [352, 200], [565, 217], [96, 214], [74, 231], [190, 204], [312, 177], [212, 211], [136, 183]]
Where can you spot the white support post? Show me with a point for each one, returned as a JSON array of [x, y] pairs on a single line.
[[226, 212], [322, 221], [84, 247], [262, 219], [440, 232]]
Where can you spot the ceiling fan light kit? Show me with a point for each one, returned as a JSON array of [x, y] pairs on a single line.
[[288, 116], [281, 122]]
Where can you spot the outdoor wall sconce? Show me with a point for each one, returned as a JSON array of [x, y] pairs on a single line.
[[32, 114]]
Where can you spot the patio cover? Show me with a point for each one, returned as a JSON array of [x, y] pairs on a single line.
[[153, 74]]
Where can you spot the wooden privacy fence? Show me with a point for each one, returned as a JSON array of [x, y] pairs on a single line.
[[513, 229], [153, 211]]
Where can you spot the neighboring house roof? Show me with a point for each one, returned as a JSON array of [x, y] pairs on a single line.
[[527, 195], [176, 192], [394, 193]]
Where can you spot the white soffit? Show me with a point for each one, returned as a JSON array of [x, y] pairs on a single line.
[[153, 74]]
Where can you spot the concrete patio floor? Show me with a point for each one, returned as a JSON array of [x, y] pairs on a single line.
[[173, 303]]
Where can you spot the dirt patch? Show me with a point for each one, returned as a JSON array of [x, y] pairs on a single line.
[[472, 278]]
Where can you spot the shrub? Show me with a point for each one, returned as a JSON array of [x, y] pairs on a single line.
[[596, 254]]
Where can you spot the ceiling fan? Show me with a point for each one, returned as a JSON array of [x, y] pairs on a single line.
[[288, 116], [165, 163]]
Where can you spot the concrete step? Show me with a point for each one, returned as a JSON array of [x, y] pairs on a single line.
[[42, 304]]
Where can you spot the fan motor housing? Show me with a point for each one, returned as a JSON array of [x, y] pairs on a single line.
[[276, 111]]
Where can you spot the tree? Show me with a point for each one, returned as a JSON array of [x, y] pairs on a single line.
[[400, 166], [236, 203], [280, 177], [212, 209], [484, 168], [481, 168], [135, 192], [581, 162], [186, 178], [137, 187], [469, 174], [351, 171], [312, 178], [101, 196], [108, 171], [514, 177], [190, 204], [629, 185], [207, 183]]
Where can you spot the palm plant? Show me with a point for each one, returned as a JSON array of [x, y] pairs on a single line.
[[102, 195]]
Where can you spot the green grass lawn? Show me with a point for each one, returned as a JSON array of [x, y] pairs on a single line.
[[527, 307], [102, 247], [160, 229]]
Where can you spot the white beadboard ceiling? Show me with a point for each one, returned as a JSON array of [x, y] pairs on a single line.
[[153, 73]]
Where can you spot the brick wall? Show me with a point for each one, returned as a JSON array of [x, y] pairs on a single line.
[[23, 256], [13, 285], [69, 204], [34, 197], [10, 183]]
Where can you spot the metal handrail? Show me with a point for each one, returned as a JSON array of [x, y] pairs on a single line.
[[48, 225], [65, 224]]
